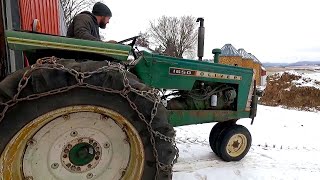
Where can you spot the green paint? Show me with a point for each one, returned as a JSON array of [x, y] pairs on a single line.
[[81, 154], [216, 53], [25, 41], [188, 117], [153, 70]]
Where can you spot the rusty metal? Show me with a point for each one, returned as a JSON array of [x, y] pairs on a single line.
[[188, 117], [65, 159], [31, 142], [46, 11], [152, 95]]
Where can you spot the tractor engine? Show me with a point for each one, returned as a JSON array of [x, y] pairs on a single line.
[[204, 96]]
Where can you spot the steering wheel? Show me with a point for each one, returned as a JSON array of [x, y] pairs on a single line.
[[133, 41]]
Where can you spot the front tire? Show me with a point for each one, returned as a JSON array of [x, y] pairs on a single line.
[[215, 132], [234, 143]]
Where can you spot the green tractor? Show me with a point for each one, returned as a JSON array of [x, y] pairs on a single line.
[[82, 110]]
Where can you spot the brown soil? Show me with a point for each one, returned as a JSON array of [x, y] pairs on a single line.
[[281, 91]]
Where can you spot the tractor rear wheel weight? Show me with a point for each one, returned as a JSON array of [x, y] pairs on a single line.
[[234, 143]]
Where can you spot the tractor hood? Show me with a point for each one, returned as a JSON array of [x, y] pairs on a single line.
[[26, 41]]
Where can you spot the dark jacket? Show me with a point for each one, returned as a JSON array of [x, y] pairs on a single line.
[[84, 26]]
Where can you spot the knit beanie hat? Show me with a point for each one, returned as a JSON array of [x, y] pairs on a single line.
[[100, 9]]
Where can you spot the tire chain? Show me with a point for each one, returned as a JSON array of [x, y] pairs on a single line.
[[50, 63]]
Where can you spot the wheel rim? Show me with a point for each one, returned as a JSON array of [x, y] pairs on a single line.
[[78, 142], [236, 145]]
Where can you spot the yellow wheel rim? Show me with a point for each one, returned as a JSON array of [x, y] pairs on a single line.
[[236, 145], [13, 159]]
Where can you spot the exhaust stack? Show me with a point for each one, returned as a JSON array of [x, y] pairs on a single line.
[[200, 38]]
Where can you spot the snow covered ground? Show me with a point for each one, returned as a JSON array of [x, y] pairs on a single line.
[[285, 145]]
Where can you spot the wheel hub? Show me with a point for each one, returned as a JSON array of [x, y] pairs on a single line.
[[236, 145], [78, 142], [81, 155]]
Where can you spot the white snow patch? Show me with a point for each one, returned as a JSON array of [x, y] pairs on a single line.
[[306, 80], [285, 146]]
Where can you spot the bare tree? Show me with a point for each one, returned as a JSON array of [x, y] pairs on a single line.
[[73, 7], [175, 35], [143, 40]]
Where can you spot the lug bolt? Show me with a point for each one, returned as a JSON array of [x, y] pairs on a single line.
[[78, 169], [106, 145], [73, 167], [89, 165], [68, 165], [122, 172], [74, 133], [66, 116], [103, 117], [69, 146], [89, 175], [31, 142], [54, 165], [95, 144], [65, 156]]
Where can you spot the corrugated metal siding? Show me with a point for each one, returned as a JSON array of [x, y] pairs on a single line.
[[244, 54], [229, 50], [46, 11]]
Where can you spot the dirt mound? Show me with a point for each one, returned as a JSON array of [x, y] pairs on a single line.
[[292, 90]]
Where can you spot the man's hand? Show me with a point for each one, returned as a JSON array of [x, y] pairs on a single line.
[[112, 41]]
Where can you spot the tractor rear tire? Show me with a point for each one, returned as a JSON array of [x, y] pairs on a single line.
[[81, 133], [233, 143]]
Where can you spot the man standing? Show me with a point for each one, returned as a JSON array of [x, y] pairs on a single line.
[[86, 24]]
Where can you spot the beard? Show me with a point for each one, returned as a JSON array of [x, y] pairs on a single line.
[[103, 25]]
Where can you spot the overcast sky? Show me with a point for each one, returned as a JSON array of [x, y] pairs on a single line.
[[272, 30]]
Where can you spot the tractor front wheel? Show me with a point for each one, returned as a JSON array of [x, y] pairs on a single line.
[[233, 143], [215, 133]]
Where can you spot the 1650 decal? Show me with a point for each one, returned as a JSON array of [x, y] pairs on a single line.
[[188, 72]]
